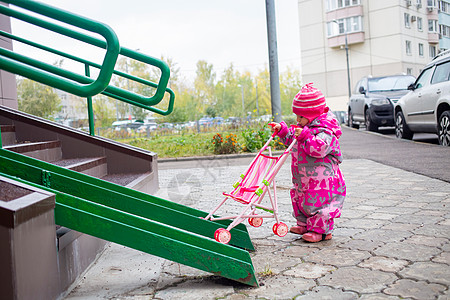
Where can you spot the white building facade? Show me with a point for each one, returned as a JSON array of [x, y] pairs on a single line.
[[381, 37]]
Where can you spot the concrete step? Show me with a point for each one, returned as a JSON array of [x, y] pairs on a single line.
[[8, 134], [48, 151], [127, 179], [93, 166]]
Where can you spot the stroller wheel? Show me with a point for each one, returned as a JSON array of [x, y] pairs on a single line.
[[255, 222], [280, 229], [222, 235]]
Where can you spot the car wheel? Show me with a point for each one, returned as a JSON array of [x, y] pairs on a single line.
[[402, 130], [369, 123], [444, 129], [350, 120]]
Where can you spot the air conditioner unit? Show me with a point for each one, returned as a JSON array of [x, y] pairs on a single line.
[[430, 8], [413, 18], [419, 5]]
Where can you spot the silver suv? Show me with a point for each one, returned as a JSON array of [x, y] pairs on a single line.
[[426, 108]]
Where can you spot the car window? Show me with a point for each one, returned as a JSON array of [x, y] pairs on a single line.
[[390, 83], [356, 91], [441, 73], [424, 78]]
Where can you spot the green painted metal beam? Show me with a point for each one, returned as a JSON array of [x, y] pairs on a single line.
[[193, 255], [151, 237], [124, 198], [127, 200]]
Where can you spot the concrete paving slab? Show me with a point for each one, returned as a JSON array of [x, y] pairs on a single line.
[[385, 246]]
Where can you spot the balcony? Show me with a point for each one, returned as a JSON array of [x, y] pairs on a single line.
[[433, 37], [352, 38], [346, 12]]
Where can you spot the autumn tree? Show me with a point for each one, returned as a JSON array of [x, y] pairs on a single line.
[[228, 94], [103, 111], [204, 85], [262, 81], [183, 106], [290, 84], [37, 99]]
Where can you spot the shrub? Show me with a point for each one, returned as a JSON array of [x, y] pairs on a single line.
[[227, 146], [254, 140]]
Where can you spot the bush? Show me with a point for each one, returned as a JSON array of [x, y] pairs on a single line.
[[254, 140], [227, 146]]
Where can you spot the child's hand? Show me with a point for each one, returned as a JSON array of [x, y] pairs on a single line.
[[298, 131], [275, 126]]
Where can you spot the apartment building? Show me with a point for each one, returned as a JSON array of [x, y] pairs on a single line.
[[344, 40]]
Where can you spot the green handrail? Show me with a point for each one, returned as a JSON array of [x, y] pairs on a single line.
[[82, 85], [112, 49], [111, 91], [165, 71]]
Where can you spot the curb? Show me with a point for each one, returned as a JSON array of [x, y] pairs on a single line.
[[212, 157]]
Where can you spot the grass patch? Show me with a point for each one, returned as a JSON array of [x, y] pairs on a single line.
[[177, 145], [186, 144]]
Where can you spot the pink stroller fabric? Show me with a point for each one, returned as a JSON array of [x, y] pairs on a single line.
[[250, 189], [256, 173]]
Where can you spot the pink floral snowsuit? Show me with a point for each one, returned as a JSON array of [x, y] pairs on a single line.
[[319, 187]]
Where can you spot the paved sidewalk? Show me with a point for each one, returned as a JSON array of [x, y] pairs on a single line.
[[392, 242]]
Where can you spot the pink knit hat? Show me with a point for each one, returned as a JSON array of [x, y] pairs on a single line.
[[309, 102]]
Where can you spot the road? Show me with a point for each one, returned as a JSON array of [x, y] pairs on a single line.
[[418, 137], [415, 156]]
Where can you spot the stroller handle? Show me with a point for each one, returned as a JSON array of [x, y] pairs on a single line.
[[274, 134]]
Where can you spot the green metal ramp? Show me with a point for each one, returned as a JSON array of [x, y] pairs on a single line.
[[134, 219]]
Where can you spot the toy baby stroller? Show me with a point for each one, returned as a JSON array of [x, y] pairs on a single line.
[[250, 190]]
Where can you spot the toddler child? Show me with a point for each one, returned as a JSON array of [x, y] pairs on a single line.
[[319, 188]]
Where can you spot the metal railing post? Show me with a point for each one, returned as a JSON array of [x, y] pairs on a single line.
[[89, 105]]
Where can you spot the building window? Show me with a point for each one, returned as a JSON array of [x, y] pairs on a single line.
[[433, 26], [420, 49], [407, 21], [408, 47], [444, 30], [419, 3], [419, 24], [444, 7], [432, 51], [347, 25], [431, 3], [336, 4], [409, 71]]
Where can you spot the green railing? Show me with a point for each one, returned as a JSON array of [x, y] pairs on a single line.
[[81, 85]]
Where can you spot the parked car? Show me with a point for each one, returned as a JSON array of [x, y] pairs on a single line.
[[341, 116], [372, 102], [205, 121], [426, 108]]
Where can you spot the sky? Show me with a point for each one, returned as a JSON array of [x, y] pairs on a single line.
[[219, 32]]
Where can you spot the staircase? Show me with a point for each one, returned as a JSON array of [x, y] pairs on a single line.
[[76, 150]]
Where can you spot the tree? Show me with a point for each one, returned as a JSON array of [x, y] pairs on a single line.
[[211, 111], [263, 82], [37, 99], [227, 93], [290, 84], [103, 111], [183, 95], [204, 84]]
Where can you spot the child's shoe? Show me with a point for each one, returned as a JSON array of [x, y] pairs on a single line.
[[316, 237], [298, 229]]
